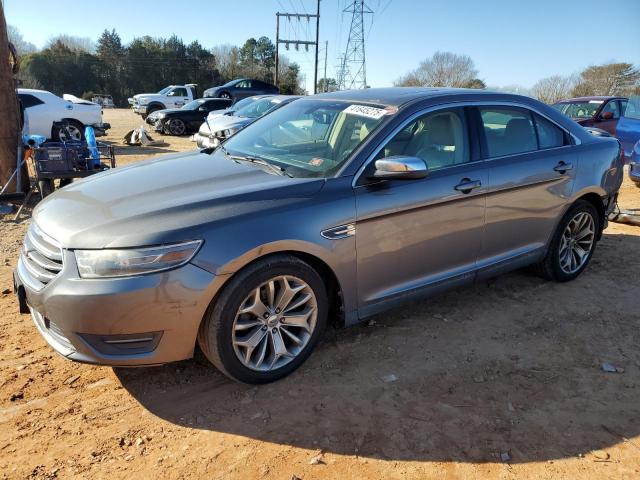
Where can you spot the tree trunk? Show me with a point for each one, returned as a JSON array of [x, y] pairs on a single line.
[[9, 114]]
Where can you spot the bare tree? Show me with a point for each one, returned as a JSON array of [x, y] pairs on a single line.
[[553, 89], [22, 46], [80, 44], [443, 69]]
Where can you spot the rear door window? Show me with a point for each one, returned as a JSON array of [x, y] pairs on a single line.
[[508, 130], [549, 135], [611, 110]]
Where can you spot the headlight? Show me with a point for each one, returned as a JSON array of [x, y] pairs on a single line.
[[143, 101], [134, 261]]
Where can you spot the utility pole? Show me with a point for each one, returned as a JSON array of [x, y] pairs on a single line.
[[315, 65], [297, 42], [326, 47], [353, 72]]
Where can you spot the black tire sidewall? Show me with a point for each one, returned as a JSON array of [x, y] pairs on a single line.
[[224, 310], [558, 273]]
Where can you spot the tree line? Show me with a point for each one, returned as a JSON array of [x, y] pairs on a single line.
[[77, 66], [446, 69]]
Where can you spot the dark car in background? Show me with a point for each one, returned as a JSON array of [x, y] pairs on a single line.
[[602, 112], [242, 88], [179, 121], [332, 208]]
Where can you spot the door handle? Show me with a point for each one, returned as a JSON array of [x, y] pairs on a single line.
[[563, 167], [466, 185]]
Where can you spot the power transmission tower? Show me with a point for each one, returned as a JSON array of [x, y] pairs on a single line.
[[296, 42], [353, 70]]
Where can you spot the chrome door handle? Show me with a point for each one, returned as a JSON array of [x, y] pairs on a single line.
[[466, 185], [563, 167]]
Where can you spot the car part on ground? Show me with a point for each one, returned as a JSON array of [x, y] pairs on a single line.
[[341, 204]]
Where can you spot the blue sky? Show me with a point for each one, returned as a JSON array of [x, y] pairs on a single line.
[[511, 41]]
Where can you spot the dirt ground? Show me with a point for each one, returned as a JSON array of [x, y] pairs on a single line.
[[499, 380]]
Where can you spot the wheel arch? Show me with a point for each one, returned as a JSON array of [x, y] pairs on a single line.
[[330, 278], [595, 199], [68, 120], [156, 104]]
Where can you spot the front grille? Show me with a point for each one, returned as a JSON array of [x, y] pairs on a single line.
[[41, 255]]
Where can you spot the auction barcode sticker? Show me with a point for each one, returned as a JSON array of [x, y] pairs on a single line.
[[364, 111]]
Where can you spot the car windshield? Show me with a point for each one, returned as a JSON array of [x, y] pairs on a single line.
[[579, 109], [258, 108], [308, 138], [241, 104], [193, 105], [164, 90]]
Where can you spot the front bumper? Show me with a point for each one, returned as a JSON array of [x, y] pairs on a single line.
[[205, 141], [140, 109], [144, 320], [156, 123], [100, 129]]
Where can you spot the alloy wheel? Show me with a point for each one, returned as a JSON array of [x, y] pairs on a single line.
[[71, 133], [274, 323], [176, 127], [577, 242]]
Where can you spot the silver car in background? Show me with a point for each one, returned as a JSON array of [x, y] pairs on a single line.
[[220, 127], [332, 208]]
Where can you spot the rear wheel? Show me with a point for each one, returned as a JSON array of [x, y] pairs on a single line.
[[573, 243], [266, 321], [73, 131]]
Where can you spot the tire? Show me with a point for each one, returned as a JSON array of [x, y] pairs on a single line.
[[45, 187], [226, 95], [175, 126], [76, 129], [224, 322], [558, 263]]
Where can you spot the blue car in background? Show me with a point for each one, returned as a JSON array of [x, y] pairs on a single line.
[[628, 132], [628, 129]]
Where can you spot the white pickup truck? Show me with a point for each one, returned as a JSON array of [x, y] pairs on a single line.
[[173, 96]]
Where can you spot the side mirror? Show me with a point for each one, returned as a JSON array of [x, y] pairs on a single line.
[[400, 168], [607, 116]]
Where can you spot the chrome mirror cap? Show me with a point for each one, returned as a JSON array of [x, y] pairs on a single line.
[[400, 167]]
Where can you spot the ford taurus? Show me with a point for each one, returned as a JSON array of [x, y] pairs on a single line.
[[334, 207]]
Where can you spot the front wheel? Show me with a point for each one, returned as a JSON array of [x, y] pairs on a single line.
[[266, 321], [226, 95], [175, 126], [572, 245]]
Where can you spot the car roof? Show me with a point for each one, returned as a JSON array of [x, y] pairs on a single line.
[[32, 90], [592, 97], [397, 96]]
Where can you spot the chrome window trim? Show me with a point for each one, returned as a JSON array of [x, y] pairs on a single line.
[[435, 108]]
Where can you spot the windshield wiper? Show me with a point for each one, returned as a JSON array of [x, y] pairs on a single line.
[[256, 161]]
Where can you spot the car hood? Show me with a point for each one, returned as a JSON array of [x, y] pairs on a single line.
[[147, 95], [170, 199], [167, 111]]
